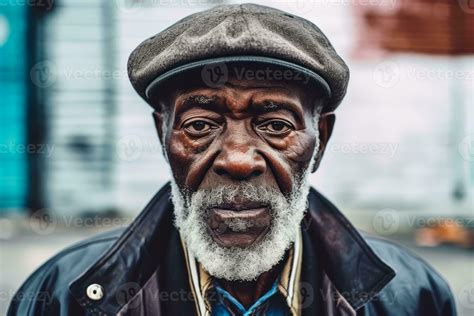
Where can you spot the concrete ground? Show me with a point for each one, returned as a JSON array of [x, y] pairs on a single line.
[[23, 253]]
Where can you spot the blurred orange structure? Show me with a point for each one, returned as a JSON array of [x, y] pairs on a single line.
[[422, 26], [446, 231]]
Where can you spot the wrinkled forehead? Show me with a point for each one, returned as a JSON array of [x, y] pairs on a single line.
[[236, 80]]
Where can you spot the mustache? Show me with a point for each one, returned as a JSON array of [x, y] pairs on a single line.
[[235, 194]]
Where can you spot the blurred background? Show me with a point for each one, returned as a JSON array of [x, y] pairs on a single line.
[[79, 153]]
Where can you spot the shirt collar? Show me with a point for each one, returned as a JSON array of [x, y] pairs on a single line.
[[201, 282]]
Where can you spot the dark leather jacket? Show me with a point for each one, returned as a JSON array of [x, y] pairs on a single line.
[[142, 271]]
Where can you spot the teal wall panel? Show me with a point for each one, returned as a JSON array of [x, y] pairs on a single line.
[[13, 92]]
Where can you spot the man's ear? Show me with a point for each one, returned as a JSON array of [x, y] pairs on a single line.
[[158, 118], [159, 121], [325, 126]]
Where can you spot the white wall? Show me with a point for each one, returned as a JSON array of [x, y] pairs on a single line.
[[77, 90]]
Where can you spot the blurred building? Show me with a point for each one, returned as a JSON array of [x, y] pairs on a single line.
[[403, 140]]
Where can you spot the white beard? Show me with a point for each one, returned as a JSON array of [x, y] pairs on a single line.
[[235, 263]]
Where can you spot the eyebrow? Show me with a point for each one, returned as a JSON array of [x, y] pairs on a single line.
[[198, 100], [268, 105]]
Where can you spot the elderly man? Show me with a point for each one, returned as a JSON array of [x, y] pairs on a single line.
[[243, 99]]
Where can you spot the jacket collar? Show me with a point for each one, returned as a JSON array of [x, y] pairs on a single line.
[[151, 246], [356, 272]]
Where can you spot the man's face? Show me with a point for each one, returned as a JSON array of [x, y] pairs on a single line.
[[240, 156]]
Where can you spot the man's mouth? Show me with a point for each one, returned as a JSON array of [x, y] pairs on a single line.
[[239, 224]]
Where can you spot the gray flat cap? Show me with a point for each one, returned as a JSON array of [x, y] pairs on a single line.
[[238, 34]]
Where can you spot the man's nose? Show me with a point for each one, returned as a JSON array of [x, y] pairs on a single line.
[[239, 161]]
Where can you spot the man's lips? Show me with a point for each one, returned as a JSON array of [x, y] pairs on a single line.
[[241, 206], [240, 226]]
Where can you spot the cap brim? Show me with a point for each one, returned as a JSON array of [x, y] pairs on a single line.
[[222, 64]]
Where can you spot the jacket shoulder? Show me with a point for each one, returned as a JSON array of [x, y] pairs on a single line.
[[417, 287], [46, 290]]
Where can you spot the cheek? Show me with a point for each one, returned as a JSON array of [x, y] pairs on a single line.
[[301, 147], [182, 151], [297, 148]]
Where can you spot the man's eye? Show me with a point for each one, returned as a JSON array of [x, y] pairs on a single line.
[[198, 127], [276, 127]]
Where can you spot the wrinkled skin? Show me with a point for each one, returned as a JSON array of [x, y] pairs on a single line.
[[257, 131]]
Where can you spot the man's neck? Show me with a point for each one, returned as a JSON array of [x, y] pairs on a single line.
[[248, 292]]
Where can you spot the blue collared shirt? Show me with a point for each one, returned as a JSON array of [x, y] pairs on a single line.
[[272, 303]]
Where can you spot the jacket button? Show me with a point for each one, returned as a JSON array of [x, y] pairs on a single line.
[[95, 292]]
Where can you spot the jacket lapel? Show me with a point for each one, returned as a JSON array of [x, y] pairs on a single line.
[[353, 268]]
